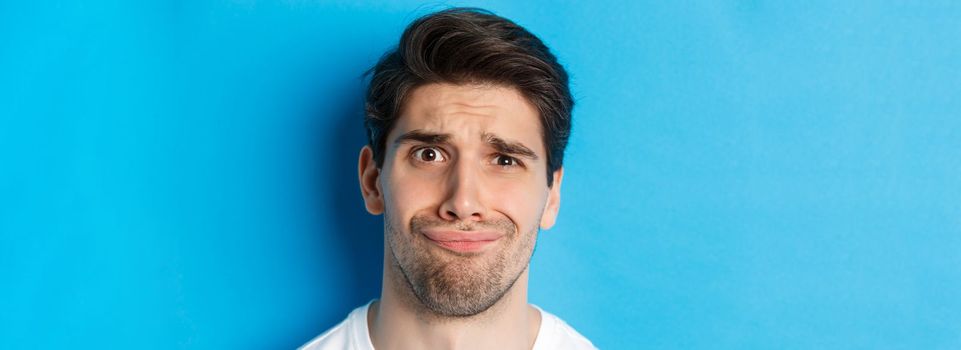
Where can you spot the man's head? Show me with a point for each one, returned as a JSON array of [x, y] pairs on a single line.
[[465, 118], [465, 46]]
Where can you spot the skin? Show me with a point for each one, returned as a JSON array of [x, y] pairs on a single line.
[[484, 173]]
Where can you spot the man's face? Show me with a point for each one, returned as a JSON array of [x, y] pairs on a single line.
[[463, 191]]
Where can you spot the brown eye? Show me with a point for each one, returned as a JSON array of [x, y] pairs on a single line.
[[429, 154], [506, 161]]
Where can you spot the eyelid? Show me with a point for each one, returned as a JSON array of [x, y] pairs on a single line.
[[442, 154], [517, 160]]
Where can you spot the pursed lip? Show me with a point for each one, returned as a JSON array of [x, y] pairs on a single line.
[[462, 241]]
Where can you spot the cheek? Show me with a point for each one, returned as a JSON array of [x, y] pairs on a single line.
[[522, 202], [406, 193]]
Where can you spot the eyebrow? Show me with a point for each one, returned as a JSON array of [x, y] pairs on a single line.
[[509, 147], [431, 138], [498, 143]]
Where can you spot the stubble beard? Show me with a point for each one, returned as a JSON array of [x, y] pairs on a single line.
[[459, 285]]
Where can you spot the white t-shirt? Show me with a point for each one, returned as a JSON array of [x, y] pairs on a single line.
[[352, 334]]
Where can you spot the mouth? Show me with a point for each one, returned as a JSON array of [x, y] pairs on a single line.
[[463, 241]]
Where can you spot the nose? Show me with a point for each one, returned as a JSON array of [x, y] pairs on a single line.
[[463, 198]]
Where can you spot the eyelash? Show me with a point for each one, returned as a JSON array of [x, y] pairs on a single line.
[[414, 151], [516, 162]]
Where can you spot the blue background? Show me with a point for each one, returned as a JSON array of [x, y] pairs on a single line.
[[742, 174]]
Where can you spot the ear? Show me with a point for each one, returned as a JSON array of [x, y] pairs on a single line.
[[553, 201], [370, 181]]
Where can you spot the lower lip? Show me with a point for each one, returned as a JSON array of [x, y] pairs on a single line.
[[464, 246]]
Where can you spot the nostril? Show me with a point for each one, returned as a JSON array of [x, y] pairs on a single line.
[[451, 213]]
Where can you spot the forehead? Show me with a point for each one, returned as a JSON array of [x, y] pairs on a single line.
[[468, 111]]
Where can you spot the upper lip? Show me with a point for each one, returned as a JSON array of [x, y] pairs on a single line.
[[442, 235]]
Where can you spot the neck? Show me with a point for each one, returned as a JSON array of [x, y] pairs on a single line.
[[399, 321]]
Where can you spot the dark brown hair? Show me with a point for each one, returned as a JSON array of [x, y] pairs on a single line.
[[465, 46]]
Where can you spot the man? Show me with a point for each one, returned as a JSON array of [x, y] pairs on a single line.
[[468, 120]]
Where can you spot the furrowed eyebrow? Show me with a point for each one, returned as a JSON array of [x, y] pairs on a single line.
[[422, 137], [509, 147]]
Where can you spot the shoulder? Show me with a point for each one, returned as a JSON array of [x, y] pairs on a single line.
[[351, 333], [557, 334], [337, 337]]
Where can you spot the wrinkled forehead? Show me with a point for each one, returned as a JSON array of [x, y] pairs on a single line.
[[468, 113]]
